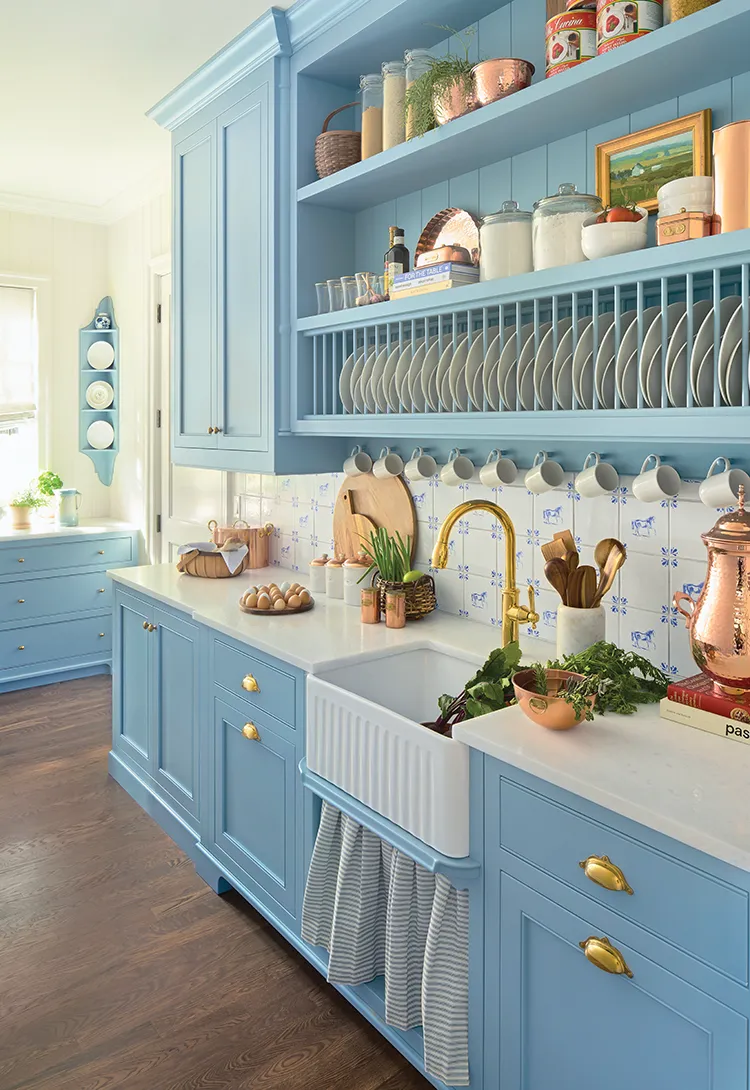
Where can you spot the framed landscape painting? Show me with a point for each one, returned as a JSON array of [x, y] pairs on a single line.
[[631, 169]]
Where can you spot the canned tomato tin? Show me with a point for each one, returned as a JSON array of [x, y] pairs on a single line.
[[580, 5], [618, 23], [571, 40]]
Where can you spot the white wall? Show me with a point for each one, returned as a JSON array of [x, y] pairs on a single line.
[[71, 259]]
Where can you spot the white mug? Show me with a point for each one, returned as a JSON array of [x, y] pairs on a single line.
[[458, 469], [388, 465], [657, 484], [421, 466], [358, 463], [544, 474], [498, 470], [722, 489], [597, 478]]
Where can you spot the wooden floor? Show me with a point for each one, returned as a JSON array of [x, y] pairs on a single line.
[[118, 966]]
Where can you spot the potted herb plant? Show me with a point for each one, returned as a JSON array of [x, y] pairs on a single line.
[[47, 485], [390, 568], [445, 91], [22, 504]]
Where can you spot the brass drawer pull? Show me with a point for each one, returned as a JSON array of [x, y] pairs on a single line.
[[21, 560], [145, 625], [101, 635], [153, 627], [250, 685], [21, 601], [102, 590], [605, 956], [101, 552], [250, 731], [21, 647], [602, 871]]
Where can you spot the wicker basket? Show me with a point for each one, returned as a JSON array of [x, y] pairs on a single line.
[[207, 566], [338, 149], [420, 596]]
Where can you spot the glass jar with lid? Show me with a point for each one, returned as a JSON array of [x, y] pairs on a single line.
[[505, 241], [557, 226], [417, 64], [372, 114], [394, 90]]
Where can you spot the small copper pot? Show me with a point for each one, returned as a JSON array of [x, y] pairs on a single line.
[[497, 79], [549, 711], [458, 100]]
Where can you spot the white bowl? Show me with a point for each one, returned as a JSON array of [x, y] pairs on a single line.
[[680, 187], [608, 239], [687, 204]]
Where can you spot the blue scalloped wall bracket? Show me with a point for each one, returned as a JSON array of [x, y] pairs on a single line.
[[104, 460]]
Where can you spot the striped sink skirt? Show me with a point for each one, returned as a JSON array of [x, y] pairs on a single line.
[[378, 913]]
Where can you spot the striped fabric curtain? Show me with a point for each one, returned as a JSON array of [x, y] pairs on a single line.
[[378, 913]]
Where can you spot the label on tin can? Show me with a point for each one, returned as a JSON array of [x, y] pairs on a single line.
[[571, 40], [618, 23]]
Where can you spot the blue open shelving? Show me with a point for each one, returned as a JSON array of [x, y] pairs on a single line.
[[104, 460]]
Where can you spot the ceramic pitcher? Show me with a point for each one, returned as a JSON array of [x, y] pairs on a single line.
[[69, 502]]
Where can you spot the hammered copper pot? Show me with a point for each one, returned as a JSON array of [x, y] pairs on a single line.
[[458, 100], [497, 79], [719, 622]]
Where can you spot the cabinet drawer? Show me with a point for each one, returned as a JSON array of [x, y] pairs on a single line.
[[24, 600], [238, 673], [693, 910], [62, 640], [83, 552]]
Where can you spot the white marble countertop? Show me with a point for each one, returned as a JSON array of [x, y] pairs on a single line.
[[43, 528], [682, 782]]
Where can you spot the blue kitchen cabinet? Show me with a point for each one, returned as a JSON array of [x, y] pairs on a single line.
[[132, 675]]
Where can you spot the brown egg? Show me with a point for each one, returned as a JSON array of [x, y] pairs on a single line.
[[304, 597], [264, 602], [251, 601], [251, 590], [294, 586], [289, 594], [263, 590], [294, 602], [279, 604], [274, 593]]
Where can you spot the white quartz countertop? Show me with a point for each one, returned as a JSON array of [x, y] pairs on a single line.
[[679, 781], [41, 529]]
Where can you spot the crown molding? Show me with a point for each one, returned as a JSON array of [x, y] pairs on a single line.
[[308, 19], [104, 215], [267, 37]]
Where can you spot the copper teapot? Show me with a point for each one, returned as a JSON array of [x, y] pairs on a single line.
[[719, 622]]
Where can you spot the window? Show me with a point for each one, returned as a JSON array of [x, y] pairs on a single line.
[[19, 434]]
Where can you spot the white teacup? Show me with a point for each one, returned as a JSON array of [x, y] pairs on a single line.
[[421, 466], [458, 469], [498, 470], [388, 464], [657, 484], [722, 489], [544, 475], [597, 478], [358, 463]]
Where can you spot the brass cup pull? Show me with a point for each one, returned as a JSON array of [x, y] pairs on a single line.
[[605, 956], [601, 870], [250, 731], [250, 685]]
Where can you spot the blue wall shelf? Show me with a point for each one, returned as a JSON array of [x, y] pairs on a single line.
[[104, 460]]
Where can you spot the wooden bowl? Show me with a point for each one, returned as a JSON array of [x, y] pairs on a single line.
[[550, 711]]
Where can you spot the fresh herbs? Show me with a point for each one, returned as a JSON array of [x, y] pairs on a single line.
[[443, 75], [47, 482], [576, 692], [390, 557], [38, 491], [489, 690], [621, 679]]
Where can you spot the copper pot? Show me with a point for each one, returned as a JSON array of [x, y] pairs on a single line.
[[497, 79], [550, 711], [719, 622], [458, 100], [732, 175]]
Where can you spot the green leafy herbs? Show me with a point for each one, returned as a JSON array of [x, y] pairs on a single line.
[[38, 492], [621, 679], [443, 74], [47, 482], [576, 691], [389, 556], [489, 690]]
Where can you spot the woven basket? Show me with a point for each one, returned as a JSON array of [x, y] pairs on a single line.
[[420, 596], [338, 149], [206, 566]]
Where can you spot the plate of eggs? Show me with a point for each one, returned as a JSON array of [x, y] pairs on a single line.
[[284, 599]]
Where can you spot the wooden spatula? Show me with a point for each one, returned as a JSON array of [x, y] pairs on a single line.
[[556, 571], [566, 536], [554, 550]]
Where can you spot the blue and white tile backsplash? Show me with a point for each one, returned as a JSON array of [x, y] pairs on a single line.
[[665, 551]]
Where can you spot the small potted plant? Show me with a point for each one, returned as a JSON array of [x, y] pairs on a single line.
[[22, 504], [47, 485], [445, 91], [390, 568]]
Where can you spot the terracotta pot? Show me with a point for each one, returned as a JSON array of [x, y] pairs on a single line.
[[549, 711], [458, 100], [20, 518], [497, 79]]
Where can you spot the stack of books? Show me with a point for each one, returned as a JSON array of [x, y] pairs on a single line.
[[433, 278], [696, 703]]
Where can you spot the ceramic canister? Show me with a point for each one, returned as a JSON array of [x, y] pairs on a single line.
[[335, 578], [354, 569], [732, 175], [318, 574]]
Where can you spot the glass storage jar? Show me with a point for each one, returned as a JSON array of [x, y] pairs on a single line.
[[417, 64], [505, 243], [372, 115], [394, 89], [557, 226]]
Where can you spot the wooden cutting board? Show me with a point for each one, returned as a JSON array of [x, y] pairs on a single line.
[[374, 503]]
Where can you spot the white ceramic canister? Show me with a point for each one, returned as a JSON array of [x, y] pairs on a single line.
[[354, 569], [318, 574], [505, 241], [557, 224], [335, 578], [579, 629]]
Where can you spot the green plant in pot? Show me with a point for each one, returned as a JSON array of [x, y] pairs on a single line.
[[47, 484], [22, 504], [445, 91], [390, 569]]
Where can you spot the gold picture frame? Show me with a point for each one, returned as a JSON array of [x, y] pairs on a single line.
[[634, 167]]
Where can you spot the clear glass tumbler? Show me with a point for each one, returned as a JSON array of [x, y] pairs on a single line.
[[324, 304], [350, 291], [335, 295]]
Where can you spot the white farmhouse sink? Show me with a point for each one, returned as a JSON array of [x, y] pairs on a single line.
[[364, 734]]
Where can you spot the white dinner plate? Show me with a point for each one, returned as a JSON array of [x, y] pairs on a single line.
[[652, 351], [387, 392], [582, 357], [491, 372], [733, 377], [100, 355], [605, 366], [677, 379], [442, 378], [429, 376], [416, 398], [703, 387], [457, 377], [730, 340], [475, 364], [345, 383], [527, 365], [562, 366], [627, 381], [100, 435], [362, 363], [704, 340], [629, 348], [99, 395], [507, 367], [375, 382], [543, 373], [366, 394], [402, 374]]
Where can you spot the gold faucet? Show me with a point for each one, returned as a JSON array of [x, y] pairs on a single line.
[[514, 614]]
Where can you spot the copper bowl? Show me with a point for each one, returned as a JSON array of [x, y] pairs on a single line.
[[549, 711], [458, 100], [497, 79]]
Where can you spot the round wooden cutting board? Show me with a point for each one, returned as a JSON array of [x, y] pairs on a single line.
[[365, 502]]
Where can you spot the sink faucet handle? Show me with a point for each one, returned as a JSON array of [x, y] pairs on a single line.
[[533, 615]]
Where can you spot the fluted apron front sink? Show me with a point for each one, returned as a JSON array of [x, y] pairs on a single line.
[[364, 734]]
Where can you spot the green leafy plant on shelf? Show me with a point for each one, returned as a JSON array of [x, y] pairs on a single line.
[[47, 482], [443, 74], [389, 556]]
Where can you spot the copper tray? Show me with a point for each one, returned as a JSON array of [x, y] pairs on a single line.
[[277, 612], [451, 227]]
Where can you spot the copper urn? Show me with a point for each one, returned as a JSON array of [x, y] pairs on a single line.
[[719, 622]]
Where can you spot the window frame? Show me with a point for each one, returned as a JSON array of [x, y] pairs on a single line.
[[42, 288]]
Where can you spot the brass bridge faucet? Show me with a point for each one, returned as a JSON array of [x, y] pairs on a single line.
[[514, 614]]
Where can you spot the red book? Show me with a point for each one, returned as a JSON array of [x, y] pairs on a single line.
[[699, 692]]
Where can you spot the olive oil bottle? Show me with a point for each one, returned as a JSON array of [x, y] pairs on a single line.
[[396, 260]]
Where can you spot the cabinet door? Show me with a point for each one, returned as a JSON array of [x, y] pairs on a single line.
[[175, 710], [195, 409], [565, 1023], [132, 735], [246, 262], [255, 805]]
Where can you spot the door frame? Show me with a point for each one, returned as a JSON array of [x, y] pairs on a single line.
[[157, 268]]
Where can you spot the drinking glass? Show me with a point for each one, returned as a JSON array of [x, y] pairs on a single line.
[[324, 305], [350, 291], [335, 295]]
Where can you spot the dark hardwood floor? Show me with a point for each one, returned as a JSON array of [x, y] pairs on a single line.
[[118, 966]]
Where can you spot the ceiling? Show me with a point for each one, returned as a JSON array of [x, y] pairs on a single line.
[[76, 78]]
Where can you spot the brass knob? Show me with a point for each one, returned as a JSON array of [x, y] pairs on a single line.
[[250, 731], [21, 601], [21, 647], [601, 870], [250, 685], [605, 956], [101, 635], [210, 431], [153, 627], [102, 590], [101, 552], [145, 625], [21, 560], [217, 430]]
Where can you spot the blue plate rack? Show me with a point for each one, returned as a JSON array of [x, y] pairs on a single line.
[[104, 460]]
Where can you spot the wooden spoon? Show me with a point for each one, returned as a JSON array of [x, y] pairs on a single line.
[[603, 549], [557, 575], [615, 559], [588, 590]]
